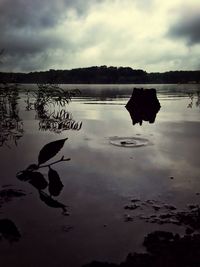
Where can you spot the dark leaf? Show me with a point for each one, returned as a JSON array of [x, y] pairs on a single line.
[[75, 126], [24, 175], [32, 167], [37, 180], [80, 125], [50, 150], [49, 201], [55, 184]]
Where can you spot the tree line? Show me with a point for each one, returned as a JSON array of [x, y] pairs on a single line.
[[101, 75]]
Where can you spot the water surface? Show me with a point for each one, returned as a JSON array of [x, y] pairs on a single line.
[[101, 178]]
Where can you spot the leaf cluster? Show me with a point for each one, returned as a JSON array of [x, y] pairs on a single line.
[[32, 174]]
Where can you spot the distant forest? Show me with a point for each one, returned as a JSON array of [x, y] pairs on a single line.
[[101, 75]]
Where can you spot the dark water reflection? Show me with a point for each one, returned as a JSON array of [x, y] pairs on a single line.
[[100, 179]]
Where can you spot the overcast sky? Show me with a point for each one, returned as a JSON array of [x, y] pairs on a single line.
[[153, 35]]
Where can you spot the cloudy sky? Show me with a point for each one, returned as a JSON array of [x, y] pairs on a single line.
[[153, 35]]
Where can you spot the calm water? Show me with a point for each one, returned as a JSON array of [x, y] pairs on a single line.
[[101, 178]]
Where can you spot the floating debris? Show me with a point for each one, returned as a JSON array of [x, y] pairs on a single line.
[[169, 207], [128, 218], [165, 213], [66, 228], [135, 200], [131, 207], [156, 207]]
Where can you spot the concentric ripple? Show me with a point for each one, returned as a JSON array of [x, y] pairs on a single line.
[[128, 141]]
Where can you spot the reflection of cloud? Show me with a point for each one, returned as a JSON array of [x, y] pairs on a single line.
[[176, 150], [141, 170], [183, 138], [92, 114]]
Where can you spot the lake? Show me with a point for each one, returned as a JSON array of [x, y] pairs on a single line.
[[117, 181]]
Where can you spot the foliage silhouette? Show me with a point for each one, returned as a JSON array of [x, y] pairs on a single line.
[[11, 125], [50, 150], [37, 179], [49, 201], [59, 121], [103, 75], [32, 167], [193, 97], [42, 100], [46, 100], [55, 184]]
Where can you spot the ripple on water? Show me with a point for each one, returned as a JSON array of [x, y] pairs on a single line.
[[128, 141]]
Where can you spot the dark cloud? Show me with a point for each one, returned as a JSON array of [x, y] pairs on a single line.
[[39, 13], [28, 28], [24, 44], [42, 34], [20, 14], [187, 27]]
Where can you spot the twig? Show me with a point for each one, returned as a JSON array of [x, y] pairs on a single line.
[[57, 161]]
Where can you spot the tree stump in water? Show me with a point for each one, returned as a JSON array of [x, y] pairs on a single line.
[[143, 105]]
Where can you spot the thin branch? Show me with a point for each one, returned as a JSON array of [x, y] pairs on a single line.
[[57, 161]]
